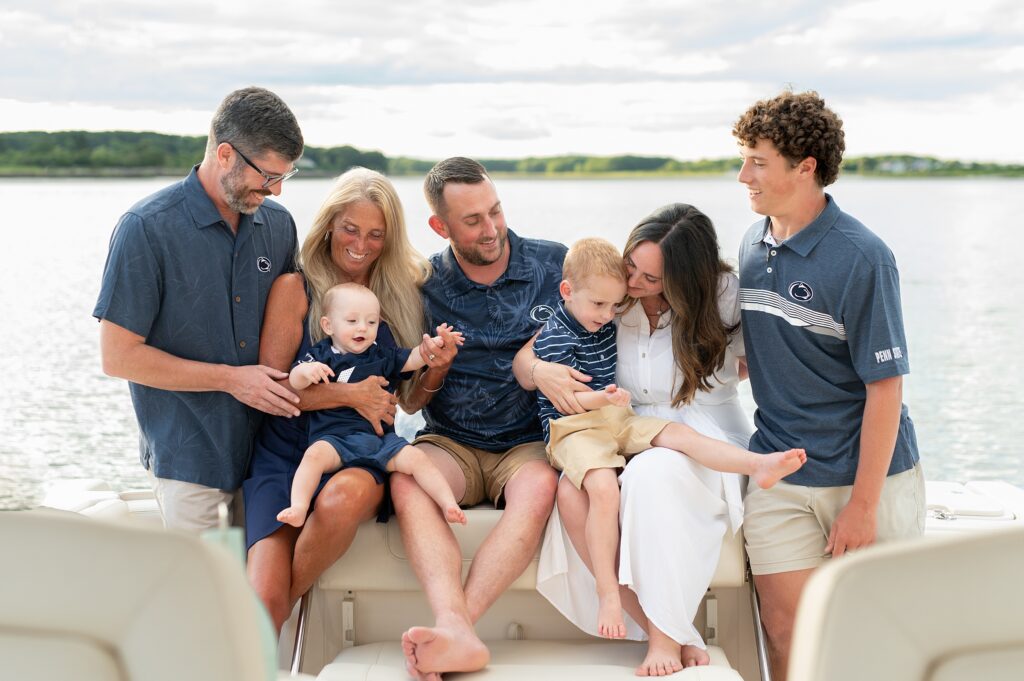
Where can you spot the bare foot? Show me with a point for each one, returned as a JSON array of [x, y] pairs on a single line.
[[692, 656], [443, 649], [773, 467], [663, 658], [293, 515], [454, 514], [609, 616]]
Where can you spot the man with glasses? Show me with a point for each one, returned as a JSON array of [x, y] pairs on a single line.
[[181, 305]]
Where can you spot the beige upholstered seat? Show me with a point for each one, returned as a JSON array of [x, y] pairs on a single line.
[[933, 610], [375, 582], [90, 600]]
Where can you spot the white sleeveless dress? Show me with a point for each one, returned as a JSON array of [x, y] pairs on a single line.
[[674, 512]]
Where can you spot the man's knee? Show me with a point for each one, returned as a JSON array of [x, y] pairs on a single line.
[[532, 489]]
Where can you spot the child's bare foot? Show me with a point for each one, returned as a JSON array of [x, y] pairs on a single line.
[[771, 468], [293, 515], [454, 514], [692, 656], [610, 623]]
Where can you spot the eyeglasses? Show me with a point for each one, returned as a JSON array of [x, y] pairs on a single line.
[[271, 180]]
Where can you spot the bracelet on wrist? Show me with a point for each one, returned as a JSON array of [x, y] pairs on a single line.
[[428, 390], [533, 368]]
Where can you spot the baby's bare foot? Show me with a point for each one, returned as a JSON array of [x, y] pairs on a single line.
[[454, 514], [610, 623], [773, 467], [293, 515]]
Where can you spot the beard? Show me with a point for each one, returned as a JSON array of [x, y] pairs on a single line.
[[474, 257], [237, 195]]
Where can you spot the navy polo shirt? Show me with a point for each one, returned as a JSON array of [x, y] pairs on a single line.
[[383, 358], [821, 317], [481, 404], [565, 341], [178, 276]]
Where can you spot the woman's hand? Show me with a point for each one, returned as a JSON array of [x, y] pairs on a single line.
[[560, 383], [440, 351]]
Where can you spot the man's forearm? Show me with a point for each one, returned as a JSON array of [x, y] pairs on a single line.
[[879, 430], [149, 366]]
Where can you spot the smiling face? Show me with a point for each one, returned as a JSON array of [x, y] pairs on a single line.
[[242, 187], [770, 178], [351, 320], [357, 240], [645, 266], [474, 223], [592, 302]]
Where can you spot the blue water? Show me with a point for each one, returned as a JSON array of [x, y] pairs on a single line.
[[954, 240]]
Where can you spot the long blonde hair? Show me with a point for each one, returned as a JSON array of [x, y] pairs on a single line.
[[395, 277]]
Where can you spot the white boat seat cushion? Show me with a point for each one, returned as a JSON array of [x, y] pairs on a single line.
[[96, 601], [584, 660], [930, 610]]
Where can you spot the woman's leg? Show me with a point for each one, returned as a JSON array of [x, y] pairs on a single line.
[[665, 495], [349, 498], [269, 568]]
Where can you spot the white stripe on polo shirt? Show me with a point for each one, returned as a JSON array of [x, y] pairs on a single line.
[[759, 300]]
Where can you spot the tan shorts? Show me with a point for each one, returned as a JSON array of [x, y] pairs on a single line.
[[602, 438], [193, 508], [486, 472], [787, 526]]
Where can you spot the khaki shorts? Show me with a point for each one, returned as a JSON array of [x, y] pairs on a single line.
[[193, 508], [486, 472], [787, 526], [599, 439]]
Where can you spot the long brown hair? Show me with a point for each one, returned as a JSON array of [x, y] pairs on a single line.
[[690, 283]]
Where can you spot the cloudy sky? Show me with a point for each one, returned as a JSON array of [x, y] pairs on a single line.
[[433, 78]]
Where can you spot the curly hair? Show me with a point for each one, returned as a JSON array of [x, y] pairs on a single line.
[[799, 125]]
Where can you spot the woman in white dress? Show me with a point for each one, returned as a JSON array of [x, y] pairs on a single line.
[[680, 354]]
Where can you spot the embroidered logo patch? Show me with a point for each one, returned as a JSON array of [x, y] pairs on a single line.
[[541, 313], [800, 290], [263, 264]]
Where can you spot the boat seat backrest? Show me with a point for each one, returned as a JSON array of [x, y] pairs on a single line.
[[930, 610], [377, 560], [95, 601]]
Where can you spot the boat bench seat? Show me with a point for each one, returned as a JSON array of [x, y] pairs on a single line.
[[370, 596]]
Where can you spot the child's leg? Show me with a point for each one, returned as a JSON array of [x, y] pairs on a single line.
[[602, 533], [765, 469], [413, 461], [320, 458]]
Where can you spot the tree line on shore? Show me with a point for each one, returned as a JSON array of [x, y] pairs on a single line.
[[122, 153]]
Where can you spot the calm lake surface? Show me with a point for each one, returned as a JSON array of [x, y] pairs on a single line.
[[60, 417]]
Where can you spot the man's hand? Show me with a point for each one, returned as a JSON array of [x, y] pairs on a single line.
[[620, 397], [255, 385], [560, 383], [856, 526], [373, 402]]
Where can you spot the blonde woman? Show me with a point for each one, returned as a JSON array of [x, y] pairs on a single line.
[[358, 236]]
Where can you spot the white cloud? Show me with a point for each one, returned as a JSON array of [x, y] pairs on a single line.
[[515, 78]]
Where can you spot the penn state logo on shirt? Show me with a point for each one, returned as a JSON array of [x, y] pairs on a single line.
[[541, 313], [263, 263], [800, 290]]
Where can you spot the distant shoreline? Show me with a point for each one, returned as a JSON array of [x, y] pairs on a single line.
[[121, 154]]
